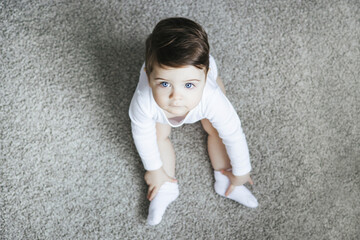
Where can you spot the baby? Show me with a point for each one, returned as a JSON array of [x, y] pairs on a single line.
[[179, 84]]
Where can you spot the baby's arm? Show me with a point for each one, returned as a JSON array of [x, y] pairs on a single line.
[[144, 135], [143, 129], [226, 121]]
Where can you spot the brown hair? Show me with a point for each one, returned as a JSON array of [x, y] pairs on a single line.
[[177, 42]]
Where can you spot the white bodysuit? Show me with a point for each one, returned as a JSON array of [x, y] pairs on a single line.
[[214, 106]]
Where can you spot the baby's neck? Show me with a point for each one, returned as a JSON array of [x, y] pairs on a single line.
[[170, 115], [176, 120]]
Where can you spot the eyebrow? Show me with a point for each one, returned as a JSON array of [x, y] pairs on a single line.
[[163, 79]]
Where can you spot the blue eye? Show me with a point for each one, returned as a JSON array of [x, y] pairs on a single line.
[[165, 84], [189, 85]]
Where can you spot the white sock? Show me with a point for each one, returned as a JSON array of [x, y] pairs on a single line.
[[167, 194], [240, 194]]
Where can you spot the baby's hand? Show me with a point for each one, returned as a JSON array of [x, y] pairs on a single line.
[[236, 180], [155, 179]]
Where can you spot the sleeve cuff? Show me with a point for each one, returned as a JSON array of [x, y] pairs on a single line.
[[241, 172], [153, 166]]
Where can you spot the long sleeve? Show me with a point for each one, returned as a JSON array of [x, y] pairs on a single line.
[[224, 118], [143, 128]]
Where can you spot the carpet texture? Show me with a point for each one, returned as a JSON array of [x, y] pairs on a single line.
[[69, 167]]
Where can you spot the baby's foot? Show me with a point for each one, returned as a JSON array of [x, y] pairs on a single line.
[[167, 194], [240, 194]]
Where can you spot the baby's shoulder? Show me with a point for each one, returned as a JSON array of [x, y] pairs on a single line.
[[211, 95], [142, 103]]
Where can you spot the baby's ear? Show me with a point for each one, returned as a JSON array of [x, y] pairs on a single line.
[[144, 69]]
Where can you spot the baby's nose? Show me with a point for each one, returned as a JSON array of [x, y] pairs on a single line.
[[175, 94]]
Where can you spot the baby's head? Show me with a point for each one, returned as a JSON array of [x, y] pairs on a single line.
[[177, 42], [177, 63]]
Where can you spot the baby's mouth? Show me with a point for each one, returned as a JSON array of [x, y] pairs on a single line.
[[176, 105]]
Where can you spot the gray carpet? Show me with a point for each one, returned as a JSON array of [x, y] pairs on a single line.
[[70, 170]]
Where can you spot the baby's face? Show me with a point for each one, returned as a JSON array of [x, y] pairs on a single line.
[[177, 90]]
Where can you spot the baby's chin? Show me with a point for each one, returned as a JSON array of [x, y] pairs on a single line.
[[176, 111]]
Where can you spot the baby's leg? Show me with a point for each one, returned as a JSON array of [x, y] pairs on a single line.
[[217, 151], [220, 160], [168, 191], [166, 149]]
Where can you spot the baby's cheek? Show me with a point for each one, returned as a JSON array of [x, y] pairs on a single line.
[[159, 99], [195, 99]]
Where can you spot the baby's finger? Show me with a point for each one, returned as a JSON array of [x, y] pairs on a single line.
[[251, 181], [173, 180], [153, 193], [226, 173], [229, 190], [151, 188]]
